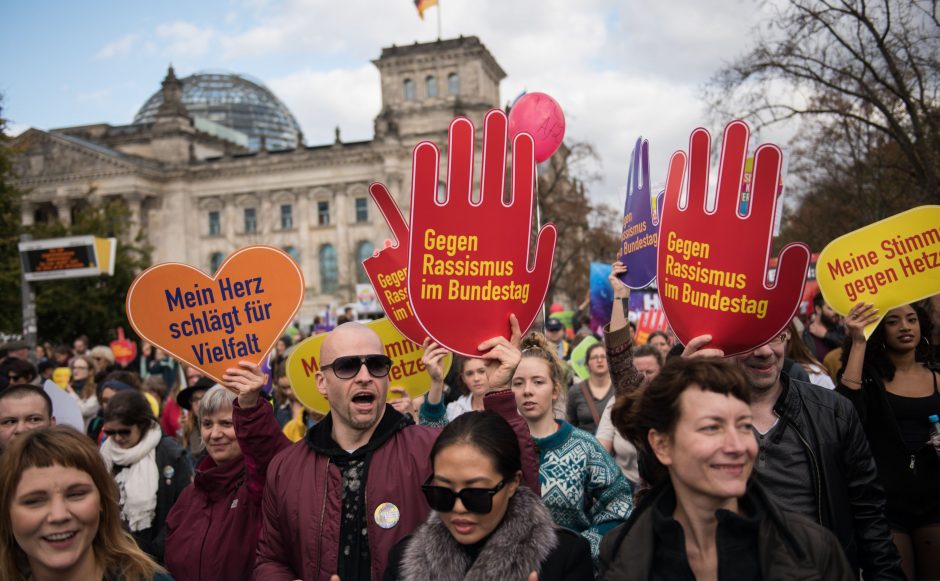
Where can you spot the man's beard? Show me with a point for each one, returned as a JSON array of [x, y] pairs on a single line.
[[829, 322]]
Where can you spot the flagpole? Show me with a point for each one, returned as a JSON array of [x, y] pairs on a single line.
[[438, 19]]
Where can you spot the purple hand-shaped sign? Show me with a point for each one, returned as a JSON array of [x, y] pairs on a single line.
[[640, 235]]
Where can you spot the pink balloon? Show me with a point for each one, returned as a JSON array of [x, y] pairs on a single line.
[[541, 117]]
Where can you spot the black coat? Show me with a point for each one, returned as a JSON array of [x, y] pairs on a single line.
[[789, 546], [851, 501], [175, 467]]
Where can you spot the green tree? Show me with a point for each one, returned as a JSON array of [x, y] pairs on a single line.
[[92, 306], [11, 316]]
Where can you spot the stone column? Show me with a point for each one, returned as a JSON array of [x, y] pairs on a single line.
[[27, 213], [134, 204]]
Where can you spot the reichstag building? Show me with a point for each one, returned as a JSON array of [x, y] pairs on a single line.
[[214, 162]]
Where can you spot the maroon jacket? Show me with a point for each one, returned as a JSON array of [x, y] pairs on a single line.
[[303, 500], [213, 528]]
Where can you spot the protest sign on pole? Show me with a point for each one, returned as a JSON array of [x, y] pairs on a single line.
[[468, 262], [388, 268], [211, 323], [124, 349], [713, 261], [407, 370], [639, 236], [893, 262]]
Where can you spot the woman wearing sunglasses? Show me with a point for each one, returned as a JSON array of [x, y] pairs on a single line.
[[706, 518], [486, 524], [151, 470]]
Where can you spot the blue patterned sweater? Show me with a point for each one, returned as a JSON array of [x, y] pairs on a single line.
[[581, 485]]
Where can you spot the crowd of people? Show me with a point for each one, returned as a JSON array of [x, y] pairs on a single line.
[[809, 457]]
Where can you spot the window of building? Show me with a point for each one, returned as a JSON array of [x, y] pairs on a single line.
[[453, 84], [294, 253], [323, 213], [329, 275], [409, 87], [430, 86], [251, 221], [287, 217], [362, 210], [366, 249], [215, 223], [215, 261]]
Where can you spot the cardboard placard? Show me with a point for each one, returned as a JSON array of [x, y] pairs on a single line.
[[713, 262], [648, 322], [893, 262], [124, 349], [211, 323], [578, 356], [468, 257], [388, 268], [407, 369], [639, 237]]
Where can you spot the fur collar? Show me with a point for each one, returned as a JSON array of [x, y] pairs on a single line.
[[520, 545]]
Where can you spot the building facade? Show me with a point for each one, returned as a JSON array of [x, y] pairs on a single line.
[[200, 184]]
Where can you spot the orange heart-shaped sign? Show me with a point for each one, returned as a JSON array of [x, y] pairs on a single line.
[[212, 323]]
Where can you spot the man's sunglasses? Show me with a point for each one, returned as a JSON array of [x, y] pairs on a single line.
[[348, 367], [475, 500]]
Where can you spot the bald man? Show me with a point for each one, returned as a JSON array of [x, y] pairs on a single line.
[[338, 501]]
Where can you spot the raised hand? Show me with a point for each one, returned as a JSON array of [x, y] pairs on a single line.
[[387, 268], [246, 382], [712, 263], [468, 261], [861, 315], [641, 218], [502, 356]]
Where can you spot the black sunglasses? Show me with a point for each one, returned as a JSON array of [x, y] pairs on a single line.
[[348, 366], [123, 432], [476, 500]]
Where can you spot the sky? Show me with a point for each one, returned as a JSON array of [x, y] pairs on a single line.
[[618, 68]]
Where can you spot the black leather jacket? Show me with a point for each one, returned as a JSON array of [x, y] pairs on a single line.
[[851, 501], [789, 546]]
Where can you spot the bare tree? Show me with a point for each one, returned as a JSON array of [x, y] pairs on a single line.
[[862, 77]]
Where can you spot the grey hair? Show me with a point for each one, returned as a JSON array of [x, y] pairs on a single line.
[[216, 399]]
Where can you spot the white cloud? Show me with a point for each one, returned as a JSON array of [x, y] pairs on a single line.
[[322, 100], [118, 48], [185, 39]]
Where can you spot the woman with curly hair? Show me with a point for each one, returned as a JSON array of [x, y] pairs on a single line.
[[60, 517], [889, 379]]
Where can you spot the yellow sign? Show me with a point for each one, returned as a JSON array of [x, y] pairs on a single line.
[[407, 370], [61, 376], [893, 262]]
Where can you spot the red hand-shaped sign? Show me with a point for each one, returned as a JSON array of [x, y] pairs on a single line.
[[388, 269], [712, 262], [468, 259]]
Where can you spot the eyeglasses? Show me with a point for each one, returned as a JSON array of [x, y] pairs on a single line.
[[348, 366], [476, 500], [781, 338], [79, 368], [123, 432]]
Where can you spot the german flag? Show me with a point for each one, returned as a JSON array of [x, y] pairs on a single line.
[[423, 5]]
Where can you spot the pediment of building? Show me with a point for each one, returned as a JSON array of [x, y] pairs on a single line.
[[42, 156]]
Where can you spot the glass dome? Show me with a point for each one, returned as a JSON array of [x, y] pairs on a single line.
[[236, 102]]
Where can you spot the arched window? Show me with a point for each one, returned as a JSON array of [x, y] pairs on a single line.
[[293, 252], [430, 86], [453, 84], [215, 261], [329, 275], [409, 87], [366, 249]]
